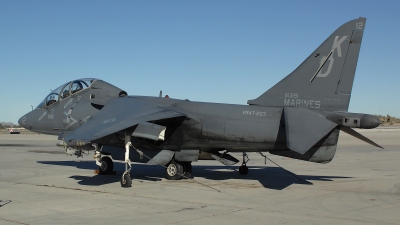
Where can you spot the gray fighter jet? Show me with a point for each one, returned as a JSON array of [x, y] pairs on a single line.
[[300, 117]]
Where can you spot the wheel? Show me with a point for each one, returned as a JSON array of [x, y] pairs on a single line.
[[173, 171], [107, 165], [243, 170], [126, 181], [187, 170]]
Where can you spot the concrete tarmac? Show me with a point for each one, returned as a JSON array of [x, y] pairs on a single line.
[[39, 184]]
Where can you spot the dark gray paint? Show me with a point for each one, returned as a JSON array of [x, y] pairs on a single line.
[[299, 117], [333, 91]]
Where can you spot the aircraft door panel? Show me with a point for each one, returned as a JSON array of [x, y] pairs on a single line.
[[214, 129]]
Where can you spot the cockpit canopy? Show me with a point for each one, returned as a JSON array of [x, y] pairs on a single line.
[[65, 91]]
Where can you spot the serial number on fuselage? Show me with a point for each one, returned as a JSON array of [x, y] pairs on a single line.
[[254, 113]]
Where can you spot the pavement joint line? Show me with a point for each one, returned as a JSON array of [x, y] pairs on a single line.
[[208, 216], [12, 221], [370, 195], [331, 216], [127, 195]]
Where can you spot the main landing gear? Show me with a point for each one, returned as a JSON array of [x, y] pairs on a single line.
[[243, 169], [174, 170]]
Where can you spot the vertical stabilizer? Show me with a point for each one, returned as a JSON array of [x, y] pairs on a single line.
[[325, 79]]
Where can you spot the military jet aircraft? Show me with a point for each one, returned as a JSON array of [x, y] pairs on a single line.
[[300, 117]]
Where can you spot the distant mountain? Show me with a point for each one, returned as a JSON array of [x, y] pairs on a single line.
[[389, 120], [8, 124]]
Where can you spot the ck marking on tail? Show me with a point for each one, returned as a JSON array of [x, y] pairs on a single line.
[[336, 45]]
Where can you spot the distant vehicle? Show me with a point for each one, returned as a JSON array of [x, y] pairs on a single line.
[[14, 131]]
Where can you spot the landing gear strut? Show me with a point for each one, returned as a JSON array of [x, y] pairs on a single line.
[[187, 170], [243, 169], [126, 180]]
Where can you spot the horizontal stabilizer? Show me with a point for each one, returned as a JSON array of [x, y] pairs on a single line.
[[225, 158], [304, 128], [355, 134]]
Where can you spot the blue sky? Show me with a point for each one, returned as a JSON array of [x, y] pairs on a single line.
[[210, 51]]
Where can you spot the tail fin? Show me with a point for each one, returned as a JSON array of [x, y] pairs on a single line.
[[325, 79]]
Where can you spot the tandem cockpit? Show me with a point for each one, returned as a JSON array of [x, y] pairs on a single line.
[[66, 90], [70, 105]]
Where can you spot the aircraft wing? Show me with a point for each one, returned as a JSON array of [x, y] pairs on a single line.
[[120, 114]]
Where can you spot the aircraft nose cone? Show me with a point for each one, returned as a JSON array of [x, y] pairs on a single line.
[[26, 121], [22, 121]]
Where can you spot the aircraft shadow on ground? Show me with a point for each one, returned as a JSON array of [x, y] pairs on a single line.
[[270, 177]]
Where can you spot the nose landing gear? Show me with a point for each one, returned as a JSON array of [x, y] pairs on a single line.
[[126, 180]]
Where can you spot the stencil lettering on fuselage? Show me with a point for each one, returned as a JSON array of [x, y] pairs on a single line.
[[50, 116], [68, 103], [43, 115], [254, 113], [69, 120], [293, 100]]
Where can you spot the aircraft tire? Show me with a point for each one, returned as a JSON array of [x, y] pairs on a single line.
[[173, 171], [187, 170], [107, 165], [126, 181], [243, 170]]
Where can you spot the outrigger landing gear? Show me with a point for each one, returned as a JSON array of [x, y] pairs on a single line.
[[126, 180], [187, 170], [243, 169]]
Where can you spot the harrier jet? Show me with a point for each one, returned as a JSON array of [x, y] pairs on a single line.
[[299, 117]]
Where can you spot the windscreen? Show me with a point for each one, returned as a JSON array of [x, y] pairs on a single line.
[[66, 90]]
